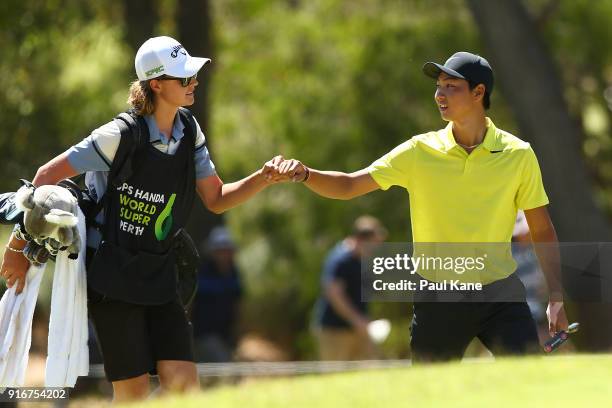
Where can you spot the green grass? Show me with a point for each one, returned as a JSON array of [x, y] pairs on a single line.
[[578, 381]]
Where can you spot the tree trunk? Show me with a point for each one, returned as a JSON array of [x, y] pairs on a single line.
[[140, 20], [528, 78], [194, 26], [529, 81]]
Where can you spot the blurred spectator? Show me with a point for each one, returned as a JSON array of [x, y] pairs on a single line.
[[216, 304], [341, 318], [528, 270]]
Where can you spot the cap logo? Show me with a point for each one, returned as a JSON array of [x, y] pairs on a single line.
[[155, 70], [175, 51]]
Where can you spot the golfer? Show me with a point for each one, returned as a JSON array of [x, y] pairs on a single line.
[[466, 183], [140, 324]]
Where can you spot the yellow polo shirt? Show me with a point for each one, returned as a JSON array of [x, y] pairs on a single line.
[[461, 198]]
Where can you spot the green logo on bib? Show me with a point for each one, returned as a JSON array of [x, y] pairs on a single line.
[[163, 225]]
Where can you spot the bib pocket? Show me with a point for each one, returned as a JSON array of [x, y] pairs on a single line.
[[136, 277]]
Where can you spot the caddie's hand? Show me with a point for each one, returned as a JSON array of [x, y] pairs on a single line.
[[14, 268], [270, 170], [294, 170], [557, 319]]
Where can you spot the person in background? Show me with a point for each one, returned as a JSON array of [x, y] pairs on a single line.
[[217, 302], [528, 271], [341, 318]]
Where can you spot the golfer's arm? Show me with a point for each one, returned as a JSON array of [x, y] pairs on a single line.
[[219, 197], [341, 186], [546, 246], [334, 292], [55, 170]]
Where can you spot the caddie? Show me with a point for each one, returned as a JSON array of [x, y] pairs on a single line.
[[139, 321]]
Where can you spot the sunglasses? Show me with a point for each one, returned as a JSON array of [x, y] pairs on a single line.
[[184, 81]]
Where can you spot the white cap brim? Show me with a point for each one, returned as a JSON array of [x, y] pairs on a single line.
[[190, 68]]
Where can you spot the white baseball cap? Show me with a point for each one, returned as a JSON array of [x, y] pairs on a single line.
[[165, 56]]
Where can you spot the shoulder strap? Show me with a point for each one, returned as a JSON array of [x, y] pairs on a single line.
[[133, 130]]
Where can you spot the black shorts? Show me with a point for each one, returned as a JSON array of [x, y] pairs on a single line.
[[132, 338], [442, 331]]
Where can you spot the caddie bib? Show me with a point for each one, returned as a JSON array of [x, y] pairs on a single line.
[[135, 261]]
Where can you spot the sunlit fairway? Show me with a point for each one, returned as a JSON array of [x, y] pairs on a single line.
[[579, 381]]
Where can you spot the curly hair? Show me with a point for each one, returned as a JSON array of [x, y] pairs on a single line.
[[141, 98]]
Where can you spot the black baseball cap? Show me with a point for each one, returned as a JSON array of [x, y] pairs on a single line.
[[464, 65]]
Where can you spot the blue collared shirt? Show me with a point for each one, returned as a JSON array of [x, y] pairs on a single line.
[[94, 155]]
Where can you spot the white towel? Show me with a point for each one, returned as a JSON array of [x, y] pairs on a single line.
[[16, 313], [68, 353]]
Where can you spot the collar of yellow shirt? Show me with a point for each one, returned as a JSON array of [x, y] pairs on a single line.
[[492, 140]]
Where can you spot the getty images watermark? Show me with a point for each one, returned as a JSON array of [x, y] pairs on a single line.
[[427, 265], [483, 272]]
